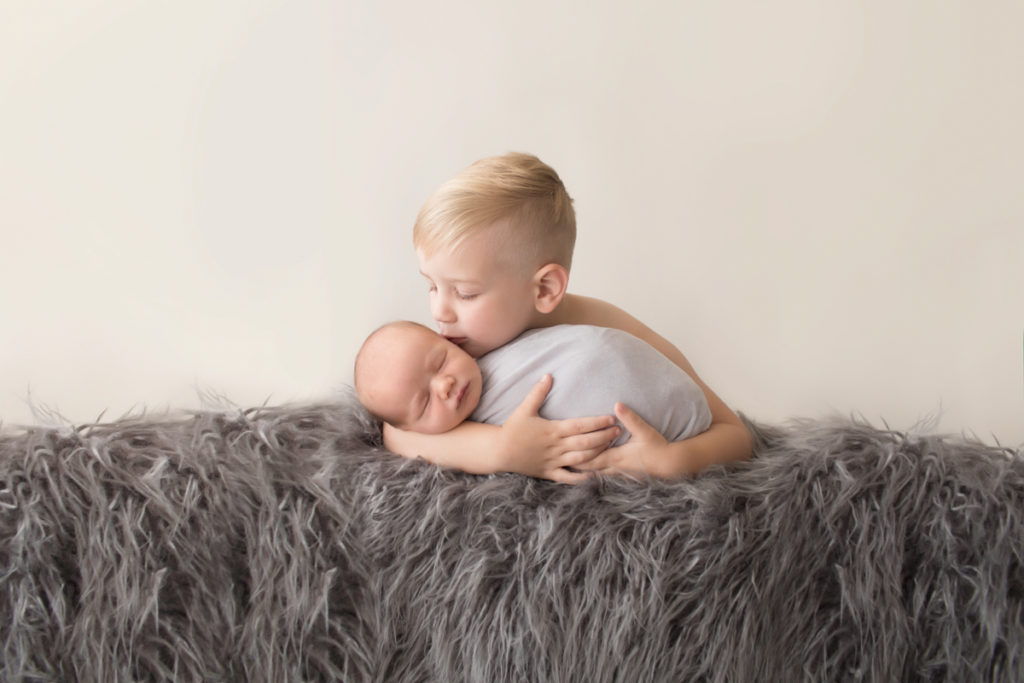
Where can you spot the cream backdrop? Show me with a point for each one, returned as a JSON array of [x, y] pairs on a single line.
[[819, 202]]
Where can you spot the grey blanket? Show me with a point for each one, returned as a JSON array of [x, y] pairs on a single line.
[[592, 368], [284, 544]]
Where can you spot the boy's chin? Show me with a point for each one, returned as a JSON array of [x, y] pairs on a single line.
[[468, 345], [476, 349]]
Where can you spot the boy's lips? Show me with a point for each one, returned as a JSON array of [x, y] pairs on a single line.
[[462, 395], [458, 341]]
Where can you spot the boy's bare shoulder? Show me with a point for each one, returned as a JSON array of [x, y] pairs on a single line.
[[585, 310]]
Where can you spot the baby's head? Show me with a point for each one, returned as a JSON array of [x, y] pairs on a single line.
[[414, 379], [496, 242]]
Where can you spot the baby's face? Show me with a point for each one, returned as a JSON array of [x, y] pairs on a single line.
[[421, 382]]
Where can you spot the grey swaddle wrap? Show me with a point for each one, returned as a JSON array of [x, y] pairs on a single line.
[[592, 367]]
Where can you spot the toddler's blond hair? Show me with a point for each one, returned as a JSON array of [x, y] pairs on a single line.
[[515, 193]]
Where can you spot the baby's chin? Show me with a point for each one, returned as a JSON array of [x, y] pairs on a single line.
[[462, 417], [439, 430], [459, 418]]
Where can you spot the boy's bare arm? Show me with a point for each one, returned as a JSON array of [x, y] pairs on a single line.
[[647, 453], [469, 447], [727, 440], [526, 443]]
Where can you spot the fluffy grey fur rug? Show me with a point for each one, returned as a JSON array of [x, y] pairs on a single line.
[[284, 544]]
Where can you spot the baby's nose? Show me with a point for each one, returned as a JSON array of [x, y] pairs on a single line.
[[443, 385]]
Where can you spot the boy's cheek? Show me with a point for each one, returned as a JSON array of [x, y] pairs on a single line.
[[477, 349]]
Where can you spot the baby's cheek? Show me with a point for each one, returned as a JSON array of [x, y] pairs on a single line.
[[453, 421], [471, 405]]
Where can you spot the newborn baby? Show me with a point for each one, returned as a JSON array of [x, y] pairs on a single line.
[[416, 380]]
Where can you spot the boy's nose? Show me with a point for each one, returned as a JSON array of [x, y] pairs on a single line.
[[441, 310]]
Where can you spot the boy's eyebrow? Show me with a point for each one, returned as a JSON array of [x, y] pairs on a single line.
[[456, 280]]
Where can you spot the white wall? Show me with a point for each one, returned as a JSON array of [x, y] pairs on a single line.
[[820, 203]]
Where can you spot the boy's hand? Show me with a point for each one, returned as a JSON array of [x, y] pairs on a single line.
[[645, 454], [531, 445]]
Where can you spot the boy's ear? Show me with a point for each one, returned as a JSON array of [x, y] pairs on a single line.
[[549, 285]]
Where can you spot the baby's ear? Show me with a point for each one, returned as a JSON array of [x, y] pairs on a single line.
[[549, 285]]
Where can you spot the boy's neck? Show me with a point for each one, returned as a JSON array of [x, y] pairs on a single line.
[[567, 311]]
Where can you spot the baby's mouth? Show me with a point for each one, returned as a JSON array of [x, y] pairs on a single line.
[[458, 341], [462, 395]]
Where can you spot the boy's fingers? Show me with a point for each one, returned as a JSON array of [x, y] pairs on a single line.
[[587, 461], [593, 442], [533, 401], [586, 425], [633, 422]]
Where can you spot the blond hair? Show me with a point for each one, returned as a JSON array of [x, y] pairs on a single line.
[[516, 193]]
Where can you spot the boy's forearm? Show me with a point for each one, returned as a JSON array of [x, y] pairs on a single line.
[[726, 440], [470, 447], [723, 442]]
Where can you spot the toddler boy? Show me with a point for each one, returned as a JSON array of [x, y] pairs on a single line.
[[495, 244]]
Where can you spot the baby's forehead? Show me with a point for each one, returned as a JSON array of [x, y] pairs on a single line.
[[410, 335], [394, 365], [402, 349]]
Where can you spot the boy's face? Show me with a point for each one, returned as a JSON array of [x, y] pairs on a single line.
[[421, 382], [478, 300]]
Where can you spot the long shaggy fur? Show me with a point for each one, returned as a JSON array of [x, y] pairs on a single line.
[[285, 544]]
